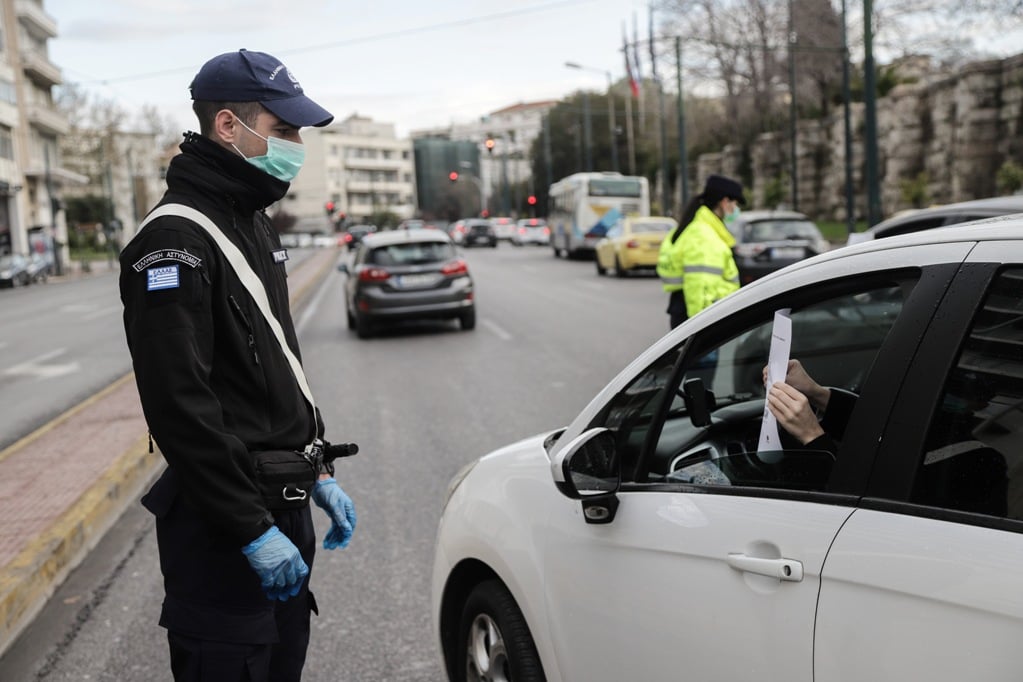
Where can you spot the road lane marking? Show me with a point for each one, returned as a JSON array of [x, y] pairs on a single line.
[[497, 330], [37, 367]]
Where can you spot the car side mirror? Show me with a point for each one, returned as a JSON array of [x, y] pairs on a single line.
[[343, 267], [590, 471], [699, 401]]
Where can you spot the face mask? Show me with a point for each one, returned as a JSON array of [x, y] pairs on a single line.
[[731, 217], [283, 159]]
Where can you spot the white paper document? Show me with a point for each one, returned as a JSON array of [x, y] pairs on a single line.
[[777, 368]]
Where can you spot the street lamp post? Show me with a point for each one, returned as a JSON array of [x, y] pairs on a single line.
[[612, 126]]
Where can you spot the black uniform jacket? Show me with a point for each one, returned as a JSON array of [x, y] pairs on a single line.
[[214, 383]]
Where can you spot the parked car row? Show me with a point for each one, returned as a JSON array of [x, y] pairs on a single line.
[[17, 270]]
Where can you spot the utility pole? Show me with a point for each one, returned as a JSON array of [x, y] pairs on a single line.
[[850, 206], [793, 160], [870, 112], [683, 161]]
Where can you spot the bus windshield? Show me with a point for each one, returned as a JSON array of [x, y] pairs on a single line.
[[615, 187]]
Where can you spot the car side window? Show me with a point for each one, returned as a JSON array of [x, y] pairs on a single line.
[[973, 459], [712, 438]]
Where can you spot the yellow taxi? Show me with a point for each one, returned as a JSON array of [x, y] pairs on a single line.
[[632, 244]]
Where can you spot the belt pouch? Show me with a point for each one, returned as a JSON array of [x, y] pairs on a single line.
[[285, 478]]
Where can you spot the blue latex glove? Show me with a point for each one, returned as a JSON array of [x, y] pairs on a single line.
[[329, 497], [278, 563]]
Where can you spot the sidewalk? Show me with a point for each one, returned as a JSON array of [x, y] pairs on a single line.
[[64, 485]]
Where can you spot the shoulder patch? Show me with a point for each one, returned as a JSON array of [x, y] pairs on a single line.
[[166, 277], [280, 255], [167, 254]]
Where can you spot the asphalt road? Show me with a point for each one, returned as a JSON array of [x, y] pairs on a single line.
[[421, 400]]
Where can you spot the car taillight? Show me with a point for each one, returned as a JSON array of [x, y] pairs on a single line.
[[632, 244], [370, 274], [455, 267], [546, 230], [348, 238], [522, 230]]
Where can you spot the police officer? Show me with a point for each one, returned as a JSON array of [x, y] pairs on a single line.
[[695, 263], [216, 386]]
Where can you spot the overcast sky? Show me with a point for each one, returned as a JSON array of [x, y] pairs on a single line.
[[414, 63]]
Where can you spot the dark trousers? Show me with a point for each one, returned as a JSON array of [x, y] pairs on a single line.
[[677, 308], [220, 625]]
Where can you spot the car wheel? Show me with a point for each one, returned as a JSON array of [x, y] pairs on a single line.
[[619, 270], [363, 327], [468, 319], [494, 640], [601, 270]]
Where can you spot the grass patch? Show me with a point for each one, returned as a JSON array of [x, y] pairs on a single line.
[[837, 231]]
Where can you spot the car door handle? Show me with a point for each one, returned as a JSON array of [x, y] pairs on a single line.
[[782, 569]]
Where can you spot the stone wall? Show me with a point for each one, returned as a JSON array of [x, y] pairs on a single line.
[[944, 135]]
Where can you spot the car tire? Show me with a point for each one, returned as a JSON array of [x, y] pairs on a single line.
[[619, 270], [494, 642], [351, 318], [601, 270], [363, 327], [467, 320]]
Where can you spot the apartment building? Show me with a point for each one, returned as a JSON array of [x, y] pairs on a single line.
[[360, 166], [32, 176]]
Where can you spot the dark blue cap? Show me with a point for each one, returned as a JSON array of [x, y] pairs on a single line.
[[245, 76]]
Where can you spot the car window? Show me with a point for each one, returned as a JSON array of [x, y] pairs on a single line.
[[974, 446], [415, 253], [912, 226], [836, 337], [777, 230], [615, 231]]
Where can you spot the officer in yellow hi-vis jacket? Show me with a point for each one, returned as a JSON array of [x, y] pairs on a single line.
[[695, 264]]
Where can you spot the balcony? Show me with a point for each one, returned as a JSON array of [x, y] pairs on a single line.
[[375, 164], [39, 68], [35, 20], [48, 120], [378, 187]]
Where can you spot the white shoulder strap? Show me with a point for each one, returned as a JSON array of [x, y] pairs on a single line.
[[248, 279]]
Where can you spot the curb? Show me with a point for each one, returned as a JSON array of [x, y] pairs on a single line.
[[29, 579]]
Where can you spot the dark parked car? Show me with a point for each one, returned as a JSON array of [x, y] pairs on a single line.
[[769, 240], [14, 271], [479, 232], [40, 267], [405, 275], [915, 220]]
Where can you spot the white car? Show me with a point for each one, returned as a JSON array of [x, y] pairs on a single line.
[[531, 231], [504, 227], [668, 533]]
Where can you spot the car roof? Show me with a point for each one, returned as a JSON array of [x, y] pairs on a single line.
[[993, 206], [755, 216], [389, 237]]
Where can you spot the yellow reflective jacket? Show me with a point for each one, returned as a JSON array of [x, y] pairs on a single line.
[[702, 258]]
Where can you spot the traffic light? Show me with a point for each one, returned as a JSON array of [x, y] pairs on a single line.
[[330, 207], [453, 176], [490, 145], [531, 200]]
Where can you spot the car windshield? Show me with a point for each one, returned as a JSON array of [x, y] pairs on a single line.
[[414, 253], [775, 230]]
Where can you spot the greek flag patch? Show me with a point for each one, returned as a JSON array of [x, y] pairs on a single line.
[[162, 278]]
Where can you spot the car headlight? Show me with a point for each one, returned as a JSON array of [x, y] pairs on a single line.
[[456, 481]]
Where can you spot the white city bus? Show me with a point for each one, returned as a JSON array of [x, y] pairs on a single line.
[[583, 206]]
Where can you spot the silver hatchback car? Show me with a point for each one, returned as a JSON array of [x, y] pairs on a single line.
[[405, 275]]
